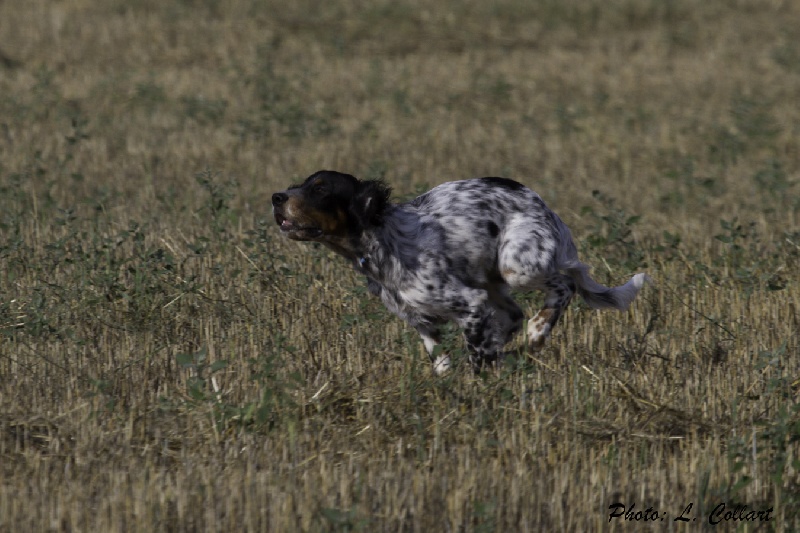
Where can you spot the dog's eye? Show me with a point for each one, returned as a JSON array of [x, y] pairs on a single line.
[[320, 188]]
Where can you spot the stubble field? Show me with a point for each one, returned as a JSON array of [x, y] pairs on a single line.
[[169, 363]]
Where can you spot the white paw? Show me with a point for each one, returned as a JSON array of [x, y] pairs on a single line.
[[537, 334], [441, 364]]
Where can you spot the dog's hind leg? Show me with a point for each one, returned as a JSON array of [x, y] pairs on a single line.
[[559, 290], [508, 314]]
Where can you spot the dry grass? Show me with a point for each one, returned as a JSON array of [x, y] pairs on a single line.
[[168, 363]]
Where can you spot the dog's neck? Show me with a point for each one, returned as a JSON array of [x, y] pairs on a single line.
[[342, 246], [354, 247], [375, 251], [392, 250]]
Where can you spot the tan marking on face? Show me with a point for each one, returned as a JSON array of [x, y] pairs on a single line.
[[293, 208], [333, 224], [295, 212]]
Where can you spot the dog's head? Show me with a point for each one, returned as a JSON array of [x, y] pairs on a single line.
[[329, 206]]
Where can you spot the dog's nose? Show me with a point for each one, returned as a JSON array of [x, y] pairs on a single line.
[[279, 198]]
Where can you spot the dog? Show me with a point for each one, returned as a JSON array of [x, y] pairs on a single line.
[[452, 254]]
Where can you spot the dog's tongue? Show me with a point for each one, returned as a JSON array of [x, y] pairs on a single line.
[[285, 224]]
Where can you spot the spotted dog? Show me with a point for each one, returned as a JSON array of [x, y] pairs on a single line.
[[452, 254]]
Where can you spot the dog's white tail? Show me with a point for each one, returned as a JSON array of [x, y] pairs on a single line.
[[602, 297], [594, 294]]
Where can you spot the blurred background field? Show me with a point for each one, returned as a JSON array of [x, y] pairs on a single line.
[[169, 363]]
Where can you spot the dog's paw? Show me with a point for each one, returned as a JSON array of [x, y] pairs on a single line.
[[538, 331], [442, 364]]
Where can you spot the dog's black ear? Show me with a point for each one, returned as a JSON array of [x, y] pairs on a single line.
[[370, 202]]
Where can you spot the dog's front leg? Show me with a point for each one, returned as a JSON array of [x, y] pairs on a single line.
[[481, 334], [431, 338]]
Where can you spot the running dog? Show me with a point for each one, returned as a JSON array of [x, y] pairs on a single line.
[[452, 254]]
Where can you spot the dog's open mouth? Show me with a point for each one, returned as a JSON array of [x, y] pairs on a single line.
[[296, 231]]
